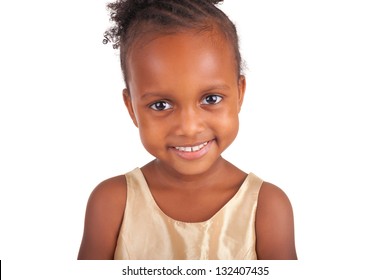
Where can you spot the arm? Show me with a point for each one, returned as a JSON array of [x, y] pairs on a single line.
[[103, 220], [274, 225]]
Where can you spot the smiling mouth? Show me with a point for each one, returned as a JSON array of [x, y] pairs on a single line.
[[190, 149]]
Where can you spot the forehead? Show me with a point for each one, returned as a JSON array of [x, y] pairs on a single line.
[[181, 55]]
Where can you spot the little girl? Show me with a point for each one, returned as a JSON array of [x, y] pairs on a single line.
[[184, 90]]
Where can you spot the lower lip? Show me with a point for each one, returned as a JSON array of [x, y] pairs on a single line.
[[193, 155]]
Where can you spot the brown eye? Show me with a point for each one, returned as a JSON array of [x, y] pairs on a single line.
[[160, 106], [211, 99]]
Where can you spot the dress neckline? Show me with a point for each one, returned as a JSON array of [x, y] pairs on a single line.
[[146, 189]]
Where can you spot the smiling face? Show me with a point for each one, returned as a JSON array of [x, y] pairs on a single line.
[[185, 96]]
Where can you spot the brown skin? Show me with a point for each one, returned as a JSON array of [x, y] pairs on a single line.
[[193, 79]]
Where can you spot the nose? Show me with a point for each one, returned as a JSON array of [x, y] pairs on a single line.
[[190, 122]]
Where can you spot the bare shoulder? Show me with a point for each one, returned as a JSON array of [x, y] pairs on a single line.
[[274, 225], [109, 193], [103, 219]]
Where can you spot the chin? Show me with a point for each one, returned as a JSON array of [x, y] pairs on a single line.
[[191, 170], [188, 169]]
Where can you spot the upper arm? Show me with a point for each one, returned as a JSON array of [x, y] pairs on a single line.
[[274, 225], [103, 219]]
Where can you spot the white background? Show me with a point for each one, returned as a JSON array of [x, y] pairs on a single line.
[[315, 122]]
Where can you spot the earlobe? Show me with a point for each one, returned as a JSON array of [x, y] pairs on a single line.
[[129, 105], [241, 90]]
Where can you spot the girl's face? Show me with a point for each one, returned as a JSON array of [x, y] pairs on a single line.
[[185, 96]]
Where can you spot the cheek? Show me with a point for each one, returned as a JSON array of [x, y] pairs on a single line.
[[148, 131], [151, 132], [227, 124], [150, 140]]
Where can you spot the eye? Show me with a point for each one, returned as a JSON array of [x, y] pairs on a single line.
[[160, 106], [211, 99]]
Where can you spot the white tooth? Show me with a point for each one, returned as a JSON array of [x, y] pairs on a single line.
[[187, 149], [191, 149]]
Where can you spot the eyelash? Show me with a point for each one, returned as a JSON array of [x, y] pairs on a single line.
[[219, 99], [153, 106], [216, 97]]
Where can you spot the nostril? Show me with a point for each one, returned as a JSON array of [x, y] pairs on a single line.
[[190, 123]]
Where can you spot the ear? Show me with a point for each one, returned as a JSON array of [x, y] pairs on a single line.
[[129, 105], [241, 90]]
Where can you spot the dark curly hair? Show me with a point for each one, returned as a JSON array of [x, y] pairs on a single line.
[[134, 18]]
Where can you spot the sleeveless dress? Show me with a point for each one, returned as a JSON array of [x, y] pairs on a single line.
[[147, 233]]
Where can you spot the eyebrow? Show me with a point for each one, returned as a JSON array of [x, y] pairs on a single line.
[[217, 87], [163, 94]]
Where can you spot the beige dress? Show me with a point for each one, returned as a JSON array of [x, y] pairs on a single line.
[[147, 233]]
